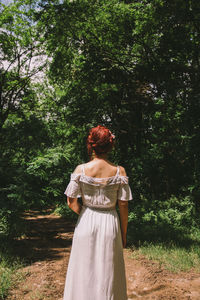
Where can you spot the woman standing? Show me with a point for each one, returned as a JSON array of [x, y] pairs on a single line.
[[96, 266]]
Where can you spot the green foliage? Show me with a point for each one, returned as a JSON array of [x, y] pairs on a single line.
[[162, 221], [64, 211], [121, 64], [21, 139], [49, 173]]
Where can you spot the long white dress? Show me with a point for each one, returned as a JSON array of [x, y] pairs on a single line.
[[96, 266]]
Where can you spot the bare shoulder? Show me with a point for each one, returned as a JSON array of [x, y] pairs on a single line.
[[122, 171], [78, 169]]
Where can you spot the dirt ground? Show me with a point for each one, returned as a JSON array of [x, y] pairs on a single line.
[[46, 250]]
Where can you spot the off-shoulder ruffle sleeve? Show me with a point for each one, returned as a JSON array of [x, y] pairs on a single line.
[[73, 189], [124, 191]]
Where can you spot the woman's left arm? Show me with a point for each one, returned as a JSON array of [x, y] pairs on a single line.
[[74, 205], [123, 210]]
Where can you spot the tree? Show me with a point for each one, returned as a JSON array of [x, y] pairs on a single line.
[[132, 65], [21, 56]]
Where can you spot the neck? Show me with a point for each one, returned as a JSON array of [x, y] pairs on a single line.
[[101, 156]]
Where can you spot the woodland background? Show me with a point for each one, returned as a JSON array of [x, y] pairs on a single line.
[[134, 66]]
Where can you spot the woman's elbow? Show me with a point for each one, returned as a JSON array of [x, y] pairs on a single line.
[[123, 204], [70, 201]]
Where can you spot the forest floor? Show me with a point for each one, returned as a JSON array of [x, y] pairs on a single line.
[[46, 249]]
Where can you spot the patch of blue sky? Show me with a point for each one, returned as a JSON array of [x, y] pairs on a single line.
[[6, 2]]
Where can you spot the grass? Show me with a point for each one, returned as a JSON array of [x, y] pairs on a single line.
[[176, 254], [37, 295], [175, 259], [9, 272], [5, 279]]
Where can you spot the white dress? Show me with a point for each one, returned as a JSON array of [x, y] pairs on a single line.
[[96, 266]]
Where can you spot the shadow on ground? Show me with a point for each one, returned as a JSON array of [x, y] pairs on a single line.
[[47, 237]]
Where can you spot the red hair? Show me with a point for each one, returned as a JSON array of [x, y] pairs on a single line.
[[100, 139]]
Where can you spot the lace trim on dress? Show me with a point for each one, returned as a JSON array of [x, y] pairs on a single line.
[[104, 181], [74, 188]]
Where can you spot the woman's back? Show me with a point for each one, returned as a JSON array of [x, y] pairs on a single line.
[[100, 168]]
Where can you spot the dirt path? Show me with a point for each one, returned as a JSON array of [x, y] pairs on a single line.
[[47, 248]]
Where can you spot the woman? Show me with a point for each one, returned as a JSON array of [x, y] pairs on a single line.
[[96, 266]]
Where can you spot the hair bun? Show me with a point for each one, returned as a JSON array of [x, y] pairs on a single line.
[[100, 139]]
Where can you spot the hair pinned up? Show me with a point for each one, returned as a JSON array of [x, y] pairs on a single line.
[[100, 139]]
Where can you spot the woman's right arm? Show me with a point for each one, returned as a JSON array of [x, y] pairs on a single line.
[[73, 202]]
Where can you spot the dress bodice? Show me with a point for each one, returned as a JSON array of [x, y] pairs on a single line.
[[99, 192]]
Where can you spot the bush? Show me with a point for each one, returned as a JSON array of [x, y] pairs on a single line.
[[162, 220]]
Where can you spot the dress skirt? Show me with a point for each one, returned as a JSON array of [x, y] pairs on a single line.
[[96, 266]]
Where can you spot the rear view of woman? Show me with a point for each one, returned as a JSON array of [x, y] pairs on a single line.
[[96, 266]]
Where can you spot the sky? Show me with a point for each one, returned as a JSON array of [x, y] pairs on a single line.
[[6, 1]]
